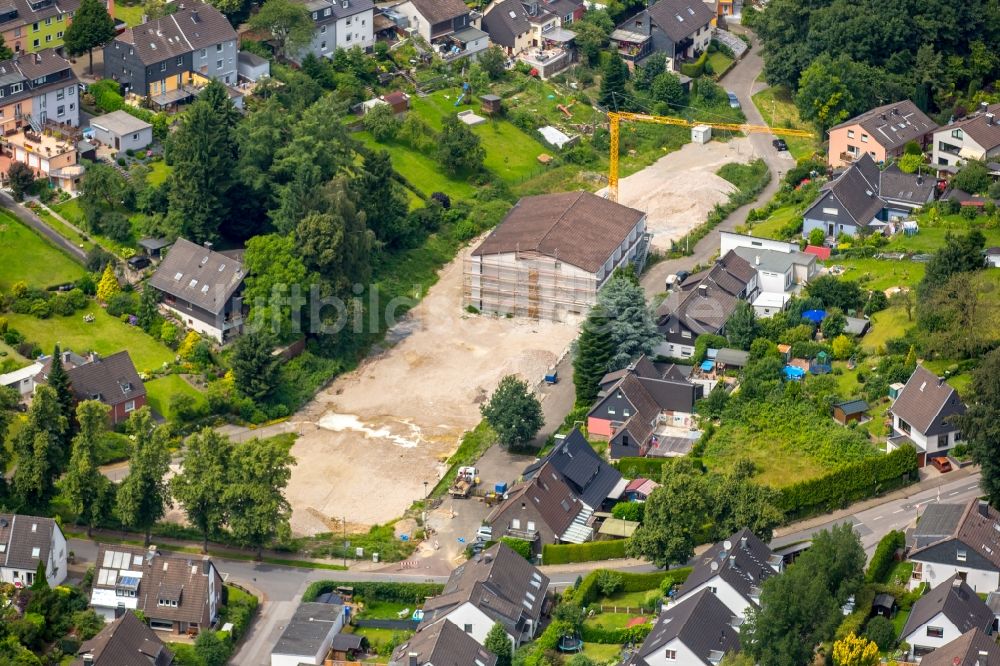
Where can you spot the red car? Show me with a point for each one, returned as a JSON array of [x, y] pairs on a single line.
[[942, 464]]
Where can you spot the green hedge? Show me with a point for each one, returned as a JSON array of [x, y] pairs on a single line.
[[617, 636], [883, 560], [583, 552], [650, 468], [519, 546], [587, 593], [406, 593], [108, 98], [696, 68], [850, 483]]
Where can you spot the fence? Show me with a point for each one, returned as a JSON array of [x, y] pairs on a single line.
[[628, 610], [399, 625]]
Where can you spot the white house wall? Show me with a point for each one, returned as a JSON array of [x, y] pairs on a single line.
[[416, 21], [481, 623], [730, 241], [919, 638], [683, 656], [935, 573], [734, 601], [197, 325]]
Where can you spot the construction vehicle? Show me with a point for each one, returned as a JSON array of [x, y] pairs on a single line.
[[615, 119], [466, 479]]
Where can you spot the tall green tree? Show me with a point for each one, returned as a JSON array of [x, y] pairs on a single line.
[[9, 399], [337, 244], [5, 51], [498, 642], [741, 502], [202, 151], [742, 326], [143, 496], [202, 481], [147, 313], [274, 271], [981, 424], [59, 381], [254, 496], [513, 412], [255, 368], [592, 360], [630, 322], [459, 149], [384, 201], [614, 74], [287, 22], [38, 448], [959, 254], [84, 484], [92, 26]]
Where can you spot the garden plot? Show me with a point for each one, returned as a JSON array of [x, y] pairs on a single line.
[[373, 437]]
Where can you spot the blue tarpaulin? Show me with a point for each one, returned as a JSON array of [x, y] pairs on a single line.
[[794, 372], [815, 316], [707, 366]]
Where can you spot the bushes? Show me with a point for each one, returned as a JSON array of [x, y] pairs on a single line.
[[883, 559], [588, 591], [650, 468], [595, 633], [406, 593], [696, 68], [583, 552], [849, 483], [519, 546], [881, 632]]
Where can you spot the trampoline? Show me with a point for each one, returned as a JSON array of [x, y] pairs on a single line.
[[794, 372], [707, 366], [815, 316], [570, 643]]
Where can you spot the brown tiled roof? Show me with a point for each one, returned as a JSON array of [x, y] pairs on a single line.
[[923, 398], [979, 128], [442, 644], [20, 534], [893, 125], [978, 527], [111, 380], [578, 228], [973, 648], [190, 29], [437, 11], [551, 496], [125, 642]]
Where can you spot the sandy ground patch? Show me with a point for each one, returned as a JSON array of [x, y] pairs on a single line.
[[374, 436], [678, 190]]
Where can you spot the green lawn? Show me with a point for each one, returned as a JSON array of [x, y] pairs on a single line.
[[615, 620], [62, 228], [601, 653], [880, 274], [629, 599], [720, 62], [105, 335], [778, 110], [159, 391], [10, 360], [386, 610], [778, 220], [71, 211], [887, 324], [24, 255], [420, 169], [158, 172], [961, 382], [131, 14], [929, 239]]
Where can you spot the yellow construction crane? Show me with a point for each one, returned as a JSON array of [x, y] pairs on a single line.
[[615, 119]]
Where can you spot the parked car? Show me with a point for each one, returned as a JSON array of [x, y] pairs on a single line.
[[942, 464], [734, 102], [138, 262], [780, 145]]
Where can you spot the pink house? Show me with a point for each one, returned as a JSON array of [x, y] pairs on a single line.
[[882, 133]]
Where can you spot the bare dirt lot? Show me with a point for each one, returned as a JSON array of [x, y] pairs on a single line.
[[678, 190], [374, 436]]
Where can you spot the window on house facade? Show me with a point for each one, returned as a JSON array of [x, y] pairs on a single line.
[[71, 90], [864, 138], [322, 46], [204, 53], [163, 66], [326, 12], [850, 134], [16, 88], [935, 632], [48, 38], [130, 406], [218, 64], [322, 30], [218, 48], [180, 61], [60, 94], [59, 34], [60, 110], [904, 426], [34, 27], [35, 43], [957, 134], [670, 655], [961, 555], [48, 21]]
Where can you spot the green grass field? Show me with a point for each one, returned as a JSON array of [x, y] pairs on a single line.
[[778, 220], [778, 110], [719, 61], [158, 172], [777, 465], [929, 239], [602, 654], [386, 610], [887, 324], [70, 210], [420, 169], [615, 620], [131, 14], [105, 335], [880, 274], [24, 255], [630, 599], [159, 391]]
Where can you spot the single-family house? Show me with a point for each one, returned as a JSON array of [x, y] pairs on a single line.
[[251, 67], [678, 30], [552, 253], [24, 542], [590, 478], [974, 137], [803, 266], [508, 26], [864, 199], [169, 60], [642, 398], [113, 380], [973, 648], [923, 415], [698, 631], [449, 26], [734, 571], [202, 287], [22, 380], [703, 303], [122, 131], [943, 615], [957, 539], [542, 509], [442, 644], [850, 411], [339, 24], [308, 637], [881, 133], [125, 642], [533, 32], [496, 586], [992, 255], [180, 594]]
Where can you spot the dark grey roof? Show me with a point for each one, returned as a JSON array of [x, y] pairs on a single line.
[[926, 402], [851, 407], [702, 623], [893, 125], [153, 244], [352, 7], [733, 357], [909, 187], [343, 642], [957, 601], [505, 22], [28, 12], [442, 644], [773, 260], [857, 326], [125, 642], [20, 536], [975, 524], [856, 190], [680, 18], [196, 27], [884, 600], [26, 69], [120, 123], [551, 496], [589, 476], [251, 59], [308, 628], [973, 648], [111, 380], [438, 11], [745, 564], [198, 275]]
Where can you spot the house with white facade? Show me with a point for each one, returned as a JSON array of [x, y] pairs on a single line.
[[498, 585], [733, 571], [957, 540], [22, 380], [441, 643], [698, 631], [973, 648], [449, 26], [923, 416], [781, 268], [309, 635], [974, 137], [24, 542], [339, 24], [943, 615]]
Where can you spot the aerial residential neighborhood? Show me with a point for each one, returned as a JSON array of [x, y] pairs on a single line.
[[514, 332]]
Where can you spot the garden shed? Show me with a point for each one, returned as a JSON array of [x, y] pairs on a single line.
[[122, 131]]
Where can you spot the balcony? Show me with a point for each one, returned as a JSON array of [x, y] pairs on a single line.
[[526, 535]]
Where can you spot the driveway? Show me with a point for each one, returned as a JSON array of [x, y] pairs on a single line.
[[742, 80]]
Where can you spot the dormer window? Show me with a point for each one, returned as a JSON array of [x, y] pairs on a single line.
[[961, 555]]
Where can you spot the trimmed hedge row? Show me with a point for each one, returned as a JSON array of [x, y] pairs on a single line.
[[407, 593], [850, 483], [883, 559], [617, 636], [565, 553], [587, 593]]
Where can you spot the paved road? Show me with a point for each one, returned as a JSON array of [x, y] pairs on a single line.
[[38, 225], [742, 80]]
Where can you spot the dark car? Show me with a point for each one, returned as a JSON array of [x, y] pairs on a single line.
[[138, 262], [780, 145]]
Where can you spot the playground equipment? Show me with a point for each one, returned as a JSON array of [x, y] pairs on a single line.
[[564, 110], [466, 90]]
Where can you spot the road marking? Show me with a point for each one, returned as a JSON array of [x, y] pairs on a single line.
[[953, 493], [899, 510], [877, 518]]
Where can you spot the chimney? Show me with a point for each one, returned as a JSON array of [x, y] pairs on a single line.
[[412, 659], [208, 245], [757, 260], [957, 583], [984, 508], [983, 106], [38, 59], [703, 289], [990, 118], [743, 543], [195, 17], [895, 112]]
